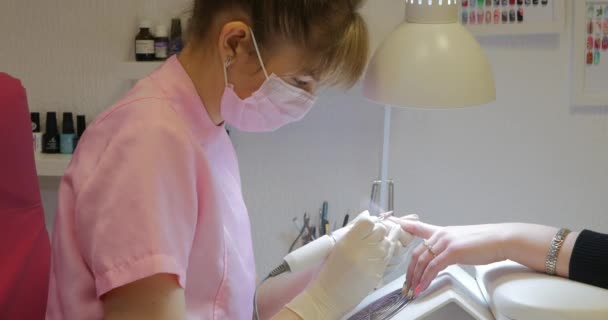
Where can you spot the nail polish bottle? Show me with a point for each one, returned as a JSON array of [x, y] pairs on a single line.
[[488, 3], [512, 16], [480, 16], [596, 57], [465, 17], [81, 126], [488, 17], [50, 140], [480, 3], [545, 2], [520, 15], [496, 3], [68, 134], [36, 132], [535, 2], [465, 3], [505, 16], [520, 2], [589, 58]]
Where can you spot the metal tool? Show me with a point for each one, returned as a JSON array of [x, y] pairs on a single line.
[[384, 308], [376, 203]]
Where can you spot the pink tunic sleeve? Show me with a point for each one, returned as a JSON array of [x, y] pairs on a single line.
[[136, 212]]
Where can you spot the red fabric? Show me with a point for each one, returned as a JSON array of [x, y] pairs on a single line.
[[24, 241]]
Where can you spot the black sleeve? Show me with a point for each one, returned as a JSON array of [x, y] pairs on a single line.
[[589, 261]]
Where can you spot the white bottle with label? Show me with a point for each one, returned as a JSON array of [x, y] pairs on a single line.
[[161, 43]]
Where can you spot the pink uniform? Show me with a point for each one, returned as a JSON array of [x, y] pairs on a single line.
[[154, 187]]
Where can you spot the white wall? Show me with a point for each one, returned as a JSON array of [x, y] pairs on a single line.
[[528, 157]]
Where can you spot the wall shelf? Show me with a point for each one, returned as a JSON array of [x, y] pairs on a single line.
[[52, 165], [136, 70]]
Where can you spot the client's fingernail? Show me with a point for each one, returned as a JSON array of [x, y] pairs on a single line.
[[405, 289], [410, 294]]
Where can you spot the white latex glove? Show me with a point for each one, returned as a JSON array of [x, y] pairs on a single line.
[[401, 241], [350, 273]]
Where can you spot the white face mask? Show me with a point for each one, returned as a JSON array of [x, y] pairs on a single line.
[[274, 105]]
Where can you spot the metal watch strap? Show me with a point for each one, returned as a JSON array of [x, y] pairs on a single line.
[[556, 246]]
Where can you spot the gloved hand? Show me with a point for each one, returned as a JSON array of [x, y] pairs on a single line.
[[350, 273], [401, 240]]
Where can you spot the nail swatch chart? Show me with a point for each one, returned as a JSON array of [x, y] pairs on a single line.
[[505, 12], [597, 33], [596, 45]]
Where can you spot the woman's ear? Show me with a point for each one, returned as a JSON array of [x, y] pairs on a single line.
[[235, 41]]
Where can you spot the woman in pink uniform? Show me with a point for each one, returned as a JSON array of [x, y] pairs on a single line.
[[151, 221]]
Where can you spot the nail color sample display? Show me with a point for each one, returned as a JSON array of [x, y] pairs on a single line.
[[597, 32], [492, 12]]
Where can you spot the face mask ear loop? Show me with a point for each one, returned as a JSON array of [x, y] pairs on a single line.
[[226, 65], [257, 50]]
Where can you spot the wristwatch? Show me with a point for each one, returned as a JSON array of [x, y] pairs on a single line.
[[556, 246]]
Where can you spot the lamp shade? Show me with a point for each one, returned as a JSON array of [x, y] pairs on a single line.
[[430, 61]]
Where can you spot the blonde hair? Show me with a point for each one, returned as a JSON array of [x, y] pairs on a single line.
[[332, 32]]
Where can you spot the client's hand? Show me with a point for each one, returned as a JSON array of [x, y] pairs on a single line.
[[445, 246], [350, 273]]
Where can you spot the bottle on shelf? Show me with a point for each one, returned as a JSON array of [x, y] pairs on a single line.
[[176, 43], [36, 132], [81, 126], [67, 134], [144, 42], [50, 140], [161, 43]]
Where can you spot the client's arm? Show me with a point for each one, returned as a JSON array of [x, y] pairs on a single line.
[[580, 258]]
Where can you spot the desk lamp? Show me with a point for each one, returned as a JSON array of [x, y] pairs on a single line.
[[429, 61]]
